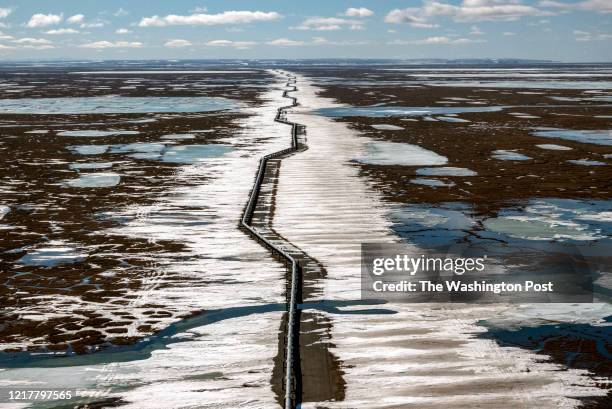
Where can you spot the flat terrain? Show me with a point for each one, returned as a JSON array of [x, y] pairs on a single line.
[[470, 142], [66, 178]]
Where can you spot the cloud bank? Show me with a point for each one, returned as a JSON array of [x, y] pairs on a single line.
[[227, 17]]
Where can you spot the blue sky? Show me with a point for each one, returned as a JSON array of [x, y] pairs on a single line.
[[565, 30]]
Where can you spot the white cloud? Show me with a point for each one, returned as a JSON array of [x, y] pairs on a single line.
[[475, 31], [29, 40], [325, 41], [122, 31], [36, 43], [329, 24], [177, 43], [466, 11], [121, 12], [484, 10], [539, 22], [43, 20], [93, 24], [466, 41], [230, 43], [80, 19], [358, 12], [220, 43], [285, 42], [423, 25], [582, 35], [98, 44], [4, 12], [408, 16], [508, 33], [588, 36], [5, 36], [227, 17], [39, 47], [60, 31], [599, 6], [436, 40], [108, 44], [398, 16], [76, 19], [446, 40]]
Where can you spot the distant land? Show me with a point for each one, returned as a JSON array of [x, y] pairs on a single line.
[[335, 61]]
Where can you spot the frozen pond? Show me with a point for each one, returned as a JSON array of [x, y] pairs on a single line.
[[523, 116], [187, 154], [502, 154], [52, 254], [95, 180], [586, 162], [580, 222], [451, 119], [90, 133], [602, 98], [403, 154], [387, 127], [194, 153], [555, 219], [445, 171], [597, 137], [140, 150], [91, 165], [431, 182], [553, 147], [89, 149], [113, 104]]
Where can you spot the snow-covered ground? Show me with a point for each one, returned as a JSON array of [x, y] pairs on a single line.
[[408, 355], [228, 362]]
